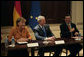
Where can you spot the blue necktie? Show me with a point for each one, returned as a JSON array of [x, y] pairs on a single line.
[[44, 31]]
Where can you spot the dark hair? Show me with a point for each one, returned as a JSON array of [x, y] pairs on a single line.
[[20, 19], [68, 15]]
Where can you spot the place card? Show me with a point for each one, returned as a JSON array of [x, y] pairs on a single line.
[[32, 45], [60, 42]]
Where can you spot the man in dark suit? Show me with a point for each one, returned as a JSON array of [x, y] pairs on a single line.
[[42, 32], [68, 30]]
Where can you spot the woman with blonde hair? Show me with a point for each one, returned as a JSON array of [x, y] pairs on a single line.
[[20, 31]]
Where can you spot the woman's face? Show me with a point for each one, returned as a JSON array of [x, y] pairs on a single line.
[[21, 24]]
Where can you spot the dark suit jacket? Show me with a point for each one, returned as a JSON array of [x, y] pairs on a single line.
[[65, 33], [39, 34]]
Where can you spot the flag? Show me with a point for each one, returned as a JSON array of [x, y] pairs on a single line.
[[34, 13], [17, 12]]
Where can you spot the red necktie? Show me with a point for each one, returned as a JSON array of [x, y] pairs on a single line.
[[69, 27]]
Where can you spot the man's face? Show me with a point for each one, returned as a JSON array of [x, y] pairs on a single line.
[[43, 22], [67, 19]]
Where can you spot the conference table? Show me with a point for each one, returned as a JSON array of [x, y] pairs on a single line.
[[40, 44]]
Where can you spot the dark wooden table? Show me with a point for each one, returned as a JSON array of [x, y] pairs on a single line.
[[69, 41], [40, 42]]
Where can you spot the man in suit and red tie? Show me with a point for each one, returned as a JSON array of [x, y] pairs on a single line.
[[68, 30]]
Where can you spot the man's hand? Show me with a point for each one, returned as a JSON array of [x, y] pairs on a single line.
[[50, 38], [72, 30], [53, 37], [47, 39], [76, 33]]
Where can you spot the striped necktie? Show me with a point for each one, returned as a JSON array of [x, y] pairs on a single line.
[[43, 28]]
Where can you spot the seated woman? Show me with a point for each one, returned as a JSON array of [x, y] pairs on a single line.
[[20, 32]]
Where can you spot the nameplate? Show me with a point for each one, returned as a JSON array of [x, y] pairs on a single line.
[[32, 45], [60, 42]]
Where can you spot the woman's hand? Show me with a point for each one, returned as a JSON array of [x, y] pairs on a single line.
[[22, 40]]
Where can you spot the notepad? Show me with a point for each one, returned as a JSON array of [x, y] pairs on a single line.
[[60, 42], [77, 38], [32, 45], [11, 45], [22, 42]]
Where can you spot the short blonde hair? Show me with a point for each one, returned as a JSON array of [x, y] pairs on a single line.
[[21, 19], [40, 18]]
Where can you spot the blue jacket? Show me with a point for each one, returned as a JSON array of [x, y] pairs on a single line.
[[39, 34]]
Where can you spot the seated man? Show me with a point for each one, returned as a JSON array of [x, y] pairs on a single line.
[[21, 34], [68, 30], [43, 32]]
